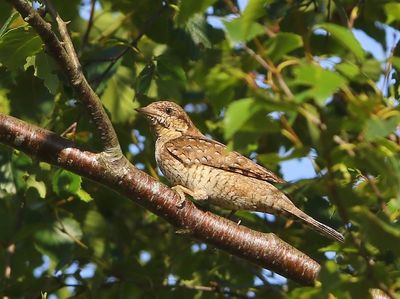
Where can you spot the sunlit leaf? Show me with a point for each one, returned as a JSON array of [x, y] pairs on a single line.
[[238, 33], [392, 12], [187, 9], [65, 182], [16, 45], [384, 235], [321, 83], [5, 26], [254, 10], [84, 196], [4, 101], [45, 70], [39, 186], [197, 28], [238, 113], [281, 44], [345, 37], [169, 68], [144, 79], [372, 69], [119, 94], [378, 128], [62, 232]]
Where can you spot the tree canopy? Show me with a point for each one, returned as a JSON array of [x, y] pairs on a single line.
[[275, 80]]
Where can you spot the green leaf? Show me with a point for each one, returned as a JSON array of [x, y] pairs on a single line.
[[169, 68], [45, 70], [7, 183], [322, 83], [345, 37], [392, 11], [381, 233], [396, 62], [281, 44], [372, 69], [11, 18], [53, 235], [349, 70], [378, 128], [39, 186], [253, 11], [118, 96], [4, 101], [18, 44], [221, 82], [84, 196], [238, 113], [186, 9], [145, 77], [238, 32], [197, 28], [65, 182]]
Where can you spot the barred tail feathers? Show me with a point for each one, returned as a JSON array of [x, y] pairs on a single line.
[[318, 226]]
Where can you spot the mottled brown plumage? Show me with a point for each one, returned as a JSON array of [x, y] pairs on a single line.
[[206, 170]]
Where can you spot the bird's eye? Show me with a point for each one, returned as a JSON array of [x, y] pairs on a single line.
[[168, 110]]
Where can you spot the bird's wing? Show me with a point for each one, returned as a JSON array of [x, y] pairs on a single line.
[[199, 150]]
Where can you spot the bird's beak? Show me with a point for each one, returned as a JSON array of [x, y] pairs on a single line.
[[140, 110], [144, 110], [148, 112]]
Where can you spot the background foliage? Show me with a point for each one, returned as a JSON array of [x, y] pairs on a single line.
[[276, 80]]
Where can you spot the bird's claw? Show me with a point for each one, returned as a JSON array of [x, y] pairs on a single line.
[[182, 196], [181, 204]]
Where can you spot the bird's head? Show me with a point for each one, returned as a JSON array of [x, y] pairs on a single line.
[[168, 118]]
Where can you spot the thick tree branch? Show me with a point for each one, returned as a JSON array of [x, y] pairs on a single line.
[[265, 250], [113, 170], [65, 55]]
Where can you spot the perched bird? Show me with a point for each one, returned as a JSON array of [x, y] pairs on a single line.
[[206, 170]]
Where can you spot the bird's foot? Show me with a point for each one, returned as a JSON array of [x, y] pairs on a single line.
[[197, 195], [184, 231], [179, 189]]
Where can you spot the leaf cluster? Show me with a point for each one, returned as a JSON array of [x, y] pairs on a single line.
[[276, 80]]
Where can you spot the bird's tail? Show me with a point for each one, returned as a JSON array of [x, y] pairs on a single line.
[[318, 226]]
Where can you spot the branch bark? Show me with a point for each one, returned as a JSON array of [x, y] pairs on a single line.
[[112, 169], [265, 250]]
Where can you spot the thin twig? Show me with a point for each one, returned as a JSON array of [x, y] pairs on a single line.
[[64, 230], [70, 130], [378, 193], [268, 65], [259, 59], [133, 44], [214, 288], [89, 26], [9, 252], [65, 37], [294, 137]]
